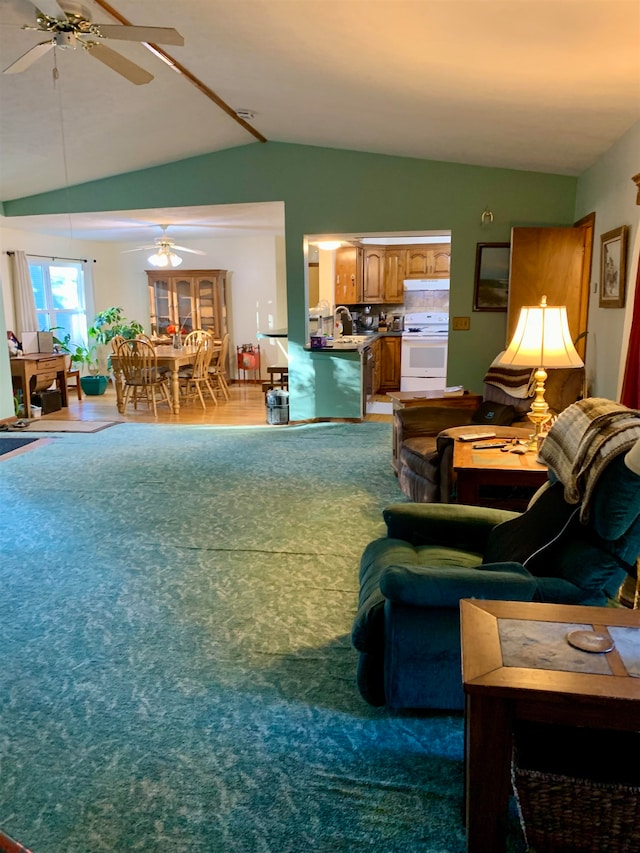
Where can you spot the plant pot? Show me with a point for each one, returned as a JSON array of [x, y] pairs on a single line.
[[94, 385]]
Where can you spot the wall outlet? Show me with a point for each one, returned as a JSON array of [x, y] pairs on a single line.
[[461, 324]]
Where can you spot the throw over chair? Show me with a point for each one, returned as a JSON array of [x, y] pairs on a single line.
[[575, 544], [425, 453]]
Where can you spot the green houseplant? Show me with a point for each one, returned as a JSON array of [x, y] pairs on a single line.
[[92, 358], [111, 322]]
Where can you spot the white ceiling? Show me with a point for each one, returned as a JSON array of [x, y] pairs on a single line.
[[545, 85]]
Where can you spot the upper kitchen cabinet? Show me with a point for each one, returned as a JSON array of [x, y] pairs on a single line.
[[348, 272], [428, 261], [373, 284], [193, 299], [395, 262]]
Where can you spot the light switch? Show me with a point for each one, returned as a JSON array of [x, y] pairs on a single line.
[[461, 324]]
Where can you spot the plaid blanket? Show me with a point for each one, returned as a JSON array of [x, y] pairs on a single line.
[[584, 439], [516, 381]]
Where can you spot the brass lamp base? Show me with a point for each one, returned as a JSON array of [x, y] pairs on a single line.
[[539, 413]]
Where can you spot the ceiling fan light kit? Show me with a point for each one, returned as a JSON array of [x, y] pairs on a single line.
[[164, 257]]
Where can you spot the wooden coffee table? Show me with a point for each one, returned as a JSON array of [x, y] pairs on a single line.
[[488, 477], [504, 684]]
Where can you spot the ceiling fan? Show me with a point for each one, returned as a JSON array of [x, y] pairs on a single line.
[[69, 25], [164, 255]]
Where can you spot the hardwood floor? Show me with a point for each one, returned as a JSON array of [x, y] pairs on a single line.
[[246, 407]]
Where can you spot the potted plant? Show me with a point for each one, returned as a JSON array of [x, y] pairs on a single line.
[[92, 358], [85, 357]]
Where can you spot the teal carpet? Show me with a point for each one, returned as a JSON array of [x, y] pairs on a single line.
[[177, 673]]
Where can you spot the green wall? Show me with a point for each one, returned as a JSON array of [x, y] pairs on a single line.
[[329, 190]]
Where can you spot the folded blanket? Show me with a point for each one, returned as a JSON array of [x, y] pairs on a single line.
[[584, 439], [516, 381]]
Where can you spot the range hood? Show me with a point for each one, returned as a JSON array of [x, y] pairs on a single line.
[[426, 284]]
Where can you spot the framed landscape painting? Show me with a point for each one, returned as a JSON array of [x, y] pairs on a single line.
[[613, 267], [491, 286]]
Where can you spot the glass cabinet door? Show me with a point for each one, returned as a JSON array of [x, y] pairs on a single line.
[[184, 304], [207, 305], [161, 305]]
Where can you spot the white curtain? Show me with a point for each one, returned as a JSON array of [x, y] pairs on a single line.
[[25, 305]]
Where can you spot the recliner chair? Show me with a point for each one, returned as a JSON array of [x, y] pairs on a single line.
[[560, 550], [425, 449]]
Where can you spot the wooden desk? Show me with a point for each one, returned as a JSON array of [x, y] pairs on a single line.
[[39, 365], [499, 694], [408, 399], [168, 357], [497, 471]]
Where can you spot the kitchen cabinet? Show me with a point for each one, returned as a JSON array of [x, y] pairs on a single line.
[[373, 274], [428, 261], [395, 261], [376, 349], [348, 275], [193, 299], [389, 363]]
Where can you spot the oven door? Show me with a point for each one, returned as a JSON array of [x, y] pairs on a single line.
[[424, 358]]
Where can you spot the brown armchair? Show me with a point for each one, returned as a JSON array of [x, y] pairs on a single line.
[[425, 434]]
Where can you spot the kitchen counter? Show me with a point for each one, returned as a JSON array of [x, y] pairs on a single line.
[[353, 343]]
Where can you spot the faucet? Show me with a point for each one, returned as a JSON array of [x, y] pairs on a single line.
[[340, 309]]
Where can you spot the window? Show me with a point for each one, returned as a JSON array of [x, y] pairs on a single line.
[[59, 293]]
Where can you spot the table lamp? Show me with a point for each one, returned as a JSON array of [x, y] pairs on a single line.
[[541, 340]]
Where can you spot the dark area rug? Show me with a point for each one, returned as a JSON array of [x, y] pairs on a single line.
[[9, 443]]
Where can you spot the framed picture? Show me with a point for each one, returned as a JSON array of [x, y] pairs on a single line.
[[613, 267], [491, 286]]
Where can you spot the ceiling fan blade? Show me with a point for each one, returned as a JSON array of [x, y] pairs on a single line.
[[138, 249], [193, 251], [27, 59], [51, 8], [134, 73], [155, 35]]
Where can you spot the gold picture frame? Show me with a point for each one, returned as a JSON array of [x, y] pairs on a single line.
[[613, 267]]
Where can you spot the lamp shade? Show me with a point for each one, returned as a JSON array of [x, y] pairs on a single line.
[[542, 339]]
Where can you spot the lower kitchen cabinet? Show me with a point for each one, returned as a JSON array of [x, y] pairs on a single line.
[[389, 363]]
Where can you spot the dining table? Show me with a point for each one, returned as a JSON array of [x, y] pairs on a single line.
[[168, 357]]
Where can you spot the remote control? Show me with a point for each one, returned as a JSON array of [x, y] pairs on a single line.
[[476, 436], [490, 445]]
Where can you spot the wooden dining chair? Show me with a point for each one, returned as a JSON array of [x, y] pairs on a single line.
[[196, 377], [198, 336], [217, 371], [142, 379]]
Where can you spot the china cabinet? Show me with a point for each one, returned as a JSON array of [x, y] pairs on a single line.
[[192, 299]]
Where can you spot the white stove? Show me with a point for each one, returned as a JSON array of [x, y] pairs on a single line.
[[426, 325], [423, 365]]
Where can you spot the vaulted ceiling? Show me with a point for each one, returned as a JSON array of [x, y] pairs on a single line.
[[545, 85]]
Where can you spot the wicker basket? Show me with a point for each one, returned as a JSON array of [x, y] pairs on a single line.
[[562, 814]]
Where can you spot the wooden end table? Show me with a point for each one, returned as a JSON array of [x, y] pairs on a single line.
[[44, 366], [501, 690], [497, 471]]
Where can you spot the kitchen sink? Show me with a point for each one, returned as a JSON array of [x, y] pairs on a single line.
[[352, 339]]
